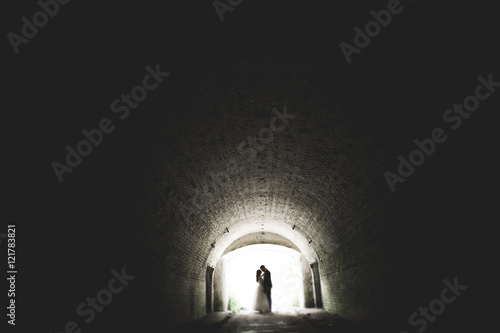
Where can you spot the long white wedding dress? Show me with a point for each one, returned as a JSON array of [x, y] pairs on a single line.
[[261, 302]]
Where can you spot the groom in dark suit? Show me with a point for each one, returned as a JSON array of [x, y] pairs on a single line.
[[267, 283]]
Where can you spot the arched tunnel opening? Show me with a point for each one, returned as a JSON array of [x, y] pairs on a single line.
[[234, 284], [234, 159], [303, 175], [272, 167]]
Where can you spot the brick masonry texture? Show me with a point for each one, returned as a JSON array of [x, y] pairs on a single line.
[[320, 174], [319, 185]]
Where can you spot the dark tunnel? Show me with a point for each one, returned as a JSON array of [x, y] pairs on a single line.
[[261, 138]]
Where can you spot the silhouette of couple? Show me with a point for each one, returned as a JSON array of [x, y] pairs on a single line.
[[263, 297]]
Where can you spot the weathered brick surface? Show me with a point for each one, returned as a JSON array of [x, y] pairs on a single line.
[[318, 184]]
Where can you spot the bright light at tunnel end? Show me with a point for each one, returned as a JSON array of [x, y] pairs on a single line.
[[284, 264]]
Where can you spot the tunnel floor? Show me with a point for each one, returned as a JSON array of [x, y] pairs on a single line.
[[305, 320]]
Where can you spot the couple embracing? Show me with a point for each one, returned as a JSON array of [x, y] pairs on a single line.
[[263, 297]]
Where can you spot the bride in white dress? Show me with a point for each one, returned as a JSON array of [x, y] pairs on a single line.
[[261, 302]]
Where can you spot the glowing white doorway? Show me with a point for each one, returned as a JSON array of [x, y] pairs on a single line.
[[285, 265]]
